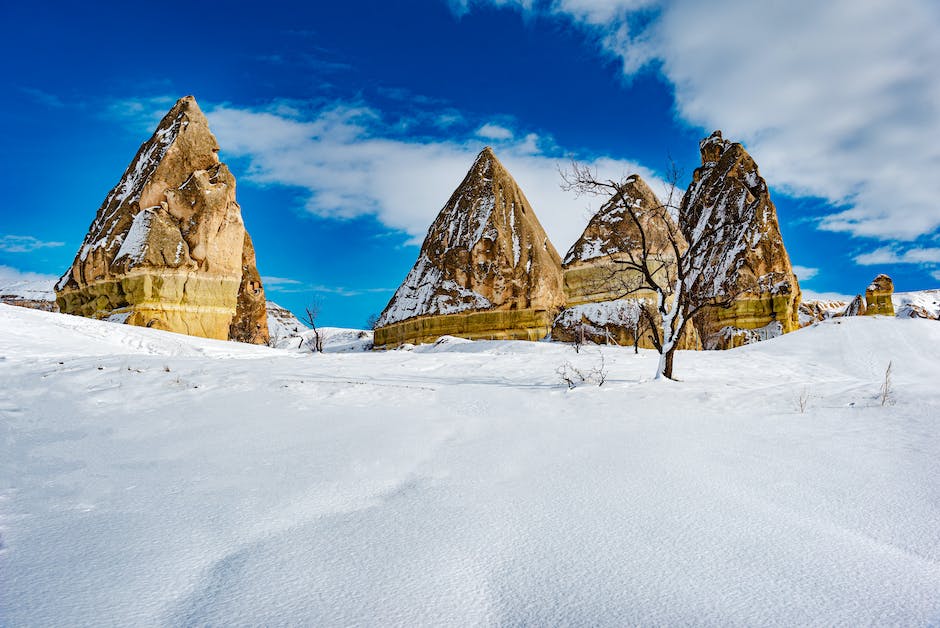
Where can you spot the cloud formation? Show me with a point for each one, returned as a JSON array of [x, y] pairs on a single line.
[[838, 100], [24, 244], [351, 163], [285, 285], [804, 273], [891, 255]]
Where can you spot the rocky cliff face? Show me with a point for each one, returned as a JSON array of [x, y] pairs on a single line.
[[767, 294], [603, 296], [878, 296], [168, 248], [486, 268]]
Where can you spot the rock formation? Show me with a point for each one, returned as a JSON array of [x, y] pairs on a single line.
[[284, 327], [168, 248], [35, 294], [820, 310], [602, 295], [878, 296], [767, 294], [486, 268], [920, 304], [592, 273], [856, 307]]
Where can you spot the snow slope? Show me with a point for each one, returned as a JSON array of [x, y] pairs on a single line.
[[923, 303], [150, 478]]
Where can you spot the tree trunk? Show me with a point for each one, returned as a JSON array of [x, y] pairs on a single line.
[[667, 366]]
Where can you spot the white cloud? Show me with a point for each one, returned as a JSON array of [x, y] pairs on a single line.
[[272, 283], [936, 274], [351, 165], [494, 132], [24, 244], [284, 285], [838, 99], [9, 275], [891, 255], [805, 273]]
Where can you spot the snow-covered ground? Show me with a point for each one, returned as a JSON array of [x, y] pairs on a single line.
[[151, 478]]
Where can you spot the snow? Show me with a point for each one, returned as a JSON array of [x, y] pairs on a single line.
[[906, 304], [283, 325], [425, 292], [151, 478], [126, 193], [619, 312], [723, 336], [16, 285], [134, 244]]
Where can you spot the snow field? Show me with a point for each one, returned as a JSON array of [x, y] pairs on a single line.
[[152, 478]]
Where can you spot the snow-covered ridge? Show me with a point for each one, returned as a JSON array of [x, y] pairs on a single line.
[[15, 285], [917, 304]]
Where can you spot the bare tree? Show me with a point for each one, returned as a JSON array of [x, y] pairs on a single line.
[[311, 311], [578, 341], [690, 264]]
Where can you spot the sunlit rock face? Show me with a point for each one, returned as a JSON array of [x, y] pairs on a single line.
[[768, 295], [486, 268], [168, 248], [878, 296], [603, 295]]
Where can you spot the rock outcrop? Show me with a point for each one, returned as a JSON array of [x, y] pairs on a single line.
[[284, 327], [168, 248], [592, 271], [878, 296], [603, 296], [486, 268], [767, 294], [921, 304], [820, 310], [856, 307]]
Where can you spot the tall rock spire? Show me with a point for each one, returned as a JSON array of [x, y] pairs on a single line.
[[729, 187], [168, 247], [486, 268]]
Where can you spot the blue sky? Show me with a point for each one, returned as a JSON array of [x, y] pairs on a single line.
[[347, 125]]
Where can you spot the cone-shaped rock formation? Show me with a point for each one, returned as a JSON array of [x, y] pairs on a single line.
[[603, 299], [767, 294], [168, 248], [486, 268]]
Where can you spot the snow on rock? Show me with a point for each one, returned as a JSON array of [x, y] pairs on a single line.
[[134, 244], [151, 478], [816, 310], [27, 289], [921, 304], [728, 205], [282, 324], [168, 244], [426, 293], [729, 336], [484, 251]]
